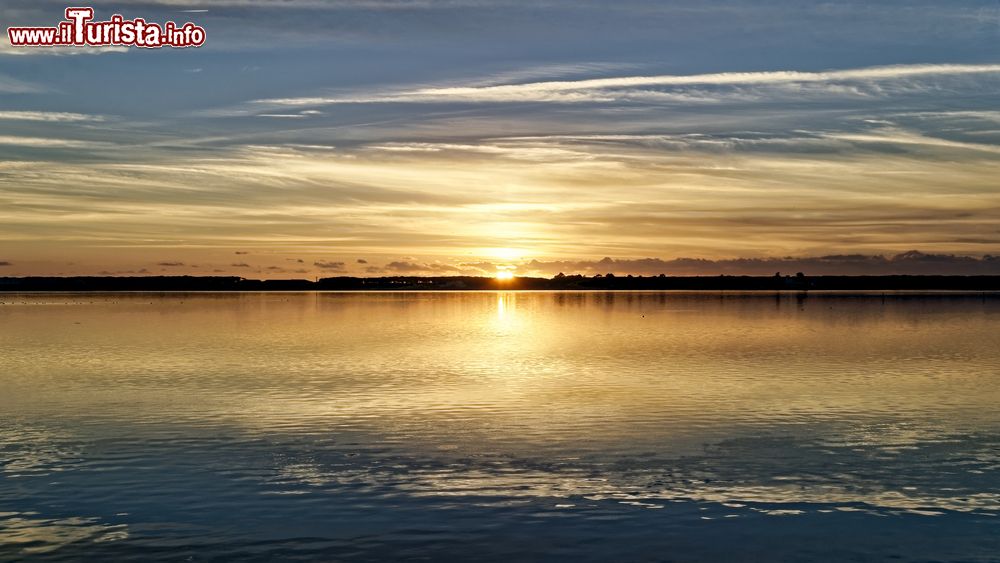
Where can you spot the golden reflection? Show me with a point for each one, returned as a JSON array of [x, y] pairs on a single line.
[[554, 376], [506, 308], [37, 535]]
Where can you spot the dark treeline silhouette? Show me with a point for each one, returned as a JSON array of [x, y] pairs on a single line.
[[797, 282]]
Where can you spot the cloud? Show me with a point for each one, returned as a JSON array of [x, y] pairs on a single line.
[[10, 85], [56, 51], [5, 263], [637, 87], [405, 267], [800, 182], [51, 116], [726, 193], [362, 261], [241, 252], [416, 268], [483, 267], [170, 264], [240, 265], [326, 265], [898, 137], [907, 263], [43, 142]]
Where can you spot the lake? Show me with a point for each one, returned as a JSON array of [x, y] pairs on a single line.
[[504, 426]]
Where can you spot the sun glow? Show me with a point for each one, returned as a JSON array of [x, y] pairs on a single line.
[[504, 253], [505, 275]]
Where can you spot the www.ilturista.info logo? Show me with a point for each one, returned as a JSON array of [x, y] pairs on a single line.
[[78, 30]]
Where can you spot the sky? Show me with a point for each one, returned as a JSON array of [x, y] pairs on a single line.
[[313, 138]]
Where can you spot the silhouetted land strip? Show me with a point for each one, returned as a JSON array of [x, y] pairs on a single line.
[[569, 283]]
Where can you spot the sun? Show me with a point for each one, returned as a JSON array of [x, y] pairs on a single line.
[[505, 275]]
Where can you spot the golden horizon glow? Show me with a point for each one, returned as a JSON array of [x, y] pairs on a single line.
[[504, 253], [504, 275], [557, 200]]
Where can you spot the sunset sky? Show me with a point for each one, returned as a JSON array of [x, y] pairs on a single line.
[[382, 137]]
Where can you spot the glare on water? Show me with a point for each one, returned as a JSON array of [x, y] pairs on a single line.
[[383, 424]]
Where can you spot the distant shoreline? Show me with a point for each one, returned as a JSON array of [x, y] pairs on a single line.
[[469, 283]]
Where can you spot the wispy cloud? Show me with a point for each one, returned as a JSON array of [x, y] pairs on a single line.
[[6, 49], [11, 85], [46, 142], [637, 87], [902, 138], [52, 116]]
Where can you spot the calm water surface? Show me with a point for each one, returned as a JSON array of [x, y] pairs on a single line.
[[500, 426]]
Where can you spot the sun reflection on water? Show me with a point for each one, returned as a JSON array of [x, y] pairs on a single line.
[[769, 406]]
